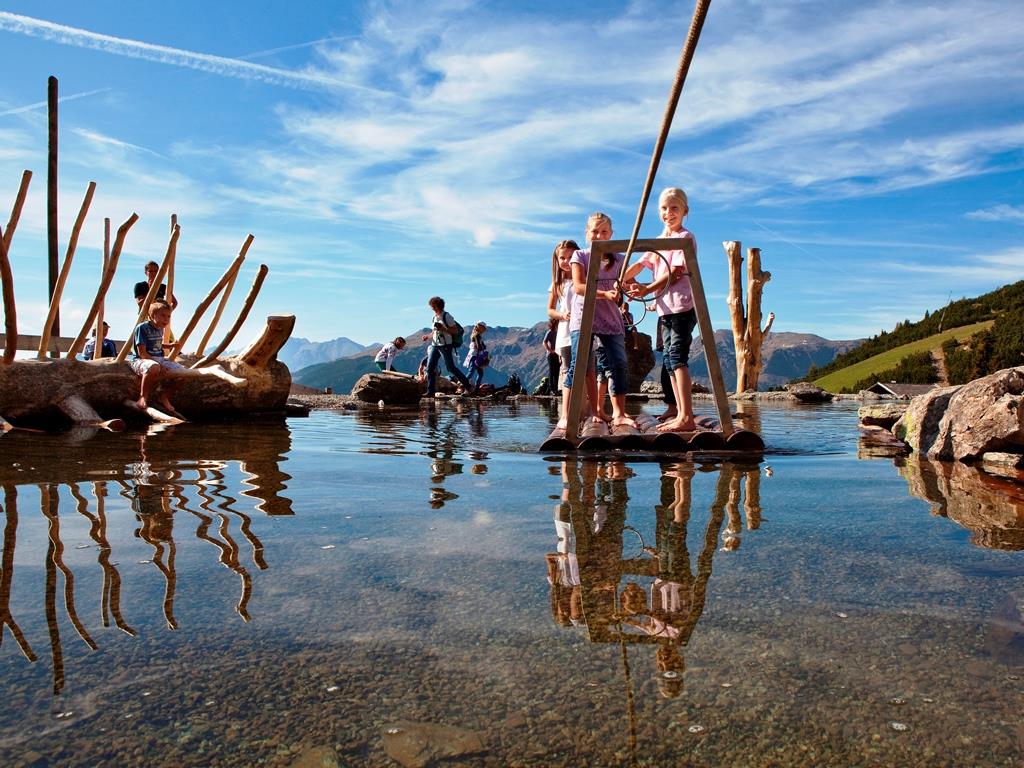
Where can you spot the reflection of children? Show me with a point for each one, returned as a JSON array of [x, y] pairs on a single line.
[[477, 357], [674, 300], [608, 326], [385, 358]]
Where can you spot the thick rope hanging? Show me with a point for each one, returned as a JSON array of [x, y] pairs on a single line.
[[700, 12]]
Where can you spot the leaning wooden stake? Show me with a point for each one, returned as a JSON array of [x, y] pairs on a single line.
[[10, 316], [97, 348], [153, 288], [168, 333], [101, 292], [19, 203], [228, 276], [217, 315], [261, 275], [747, 334], [52, 326]]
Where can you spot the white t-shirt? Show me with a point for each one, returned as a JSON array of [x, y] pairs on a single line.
[[565, 299], [387, 355]]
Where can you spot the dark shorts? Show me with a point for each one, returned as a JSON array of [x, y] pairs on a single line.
[[677, 332]]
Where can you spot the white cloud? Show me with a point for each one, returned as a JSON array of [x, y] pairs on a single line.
[[1011, 213]]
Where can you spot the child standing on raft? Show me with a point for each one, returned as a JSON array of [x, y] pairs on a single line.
[[608, 325], [674, 301]]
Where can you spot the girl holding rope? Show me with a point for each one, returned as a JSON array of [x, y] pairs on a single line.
[[608, 325], [674, 301]]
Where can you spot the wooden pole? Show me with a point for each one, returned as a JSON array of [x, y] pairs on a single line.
[[217, 315], [748, 336], [734, 252], [153, 288], [168, 333], [52, 324], [97, 350], [19, 203], [10, 315], [254, 291], [101, 292], [51, 199], [579, 377], [229, 276]]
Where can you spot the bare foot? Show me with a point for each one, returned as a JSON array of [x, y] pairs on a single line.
[[603, 417], [669, 414], [623, 421], [678, 424], [562, 424], [141, 402]]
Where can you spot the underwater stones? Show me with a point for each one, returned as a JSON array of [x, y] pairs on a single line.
[[316, 757], [389, 388], [416, 745]]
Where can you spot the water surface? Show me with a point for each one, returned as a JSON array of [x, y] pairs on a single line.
[[245, 594]]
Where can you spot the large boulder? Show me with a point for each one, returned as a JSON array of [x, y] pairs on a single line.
[[806, 392], [962, 423], [392, 388]]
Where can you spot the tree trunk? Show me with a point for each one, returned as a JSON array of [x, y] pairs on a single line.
[[747, 334]]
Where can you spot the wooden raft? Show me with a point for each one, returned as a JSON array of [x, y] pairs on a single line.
[[712, 437]]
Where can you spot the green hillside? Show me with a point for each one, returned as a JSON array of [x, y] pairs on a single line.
[[846, 378]]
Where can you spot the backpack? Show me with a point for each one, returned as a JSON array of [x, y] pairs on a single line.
[[482, 358], [459, 334]]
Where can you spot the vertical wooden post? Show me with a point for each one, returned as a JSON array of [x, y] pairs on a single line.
[[97, 351], [747, 334], [579, 376], [51, 199], [168, 333], [10, 316]]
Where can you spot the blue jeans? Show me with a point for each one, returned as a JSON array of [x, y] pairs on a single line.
[[677, 333], [434, 359], [614, 345]]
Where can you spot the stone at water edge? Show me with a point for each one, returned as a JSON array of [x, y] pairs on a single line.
[[918, 427], [806, 392], [984, 415], [882, 414], [392, 389]]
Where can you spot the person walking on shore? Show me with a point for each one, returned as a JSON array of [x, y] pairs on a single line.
[[446, 331]]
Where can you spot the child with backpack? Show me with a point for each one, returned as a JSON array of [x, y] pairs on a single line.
[[477, 358], [447, 335]]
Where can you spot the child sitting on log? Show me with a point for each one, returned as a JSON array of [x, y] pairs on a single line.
[[148, 358]]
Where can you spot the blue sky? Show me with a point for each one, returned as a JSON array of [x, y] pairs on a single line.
[[383, 152]]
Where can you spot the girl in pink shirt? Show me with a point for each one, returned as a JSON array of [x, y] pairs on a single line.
[[674, 301]]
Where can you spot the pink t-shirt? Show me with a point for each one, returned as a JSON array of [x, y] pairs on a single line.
[[607, 318], [678, 296]]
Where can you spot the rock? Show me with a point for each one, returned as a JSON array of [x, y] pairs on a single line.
[[918, 427], [316, 757], [1004, 631], [868, 396], [878, 441], [415, 745], [392, 388], [963, 423], [881, 414], [806, 392], [1008, 460], [651, 388]]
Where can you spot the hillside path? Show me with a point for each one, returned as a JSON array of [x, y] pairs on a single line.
[[939, 359]]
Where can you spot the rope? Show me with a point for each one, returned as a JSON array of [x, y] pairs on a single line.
[[700, 12]]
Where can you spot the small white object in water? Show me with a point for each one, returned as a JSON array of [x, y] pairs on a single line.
[[144, 562], [899, 726], [332, 688], [696, 729], [727, 685], [327, 546], [768, 471], [82, 546], [61, 715], [380, 403], [841, 615], [926, 700], [393, 731], [897, 701], [147, 693], [670, 674]]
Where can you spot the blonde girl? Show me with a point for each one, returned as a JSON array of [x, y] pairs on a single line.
[[608, 325], [674, 301]]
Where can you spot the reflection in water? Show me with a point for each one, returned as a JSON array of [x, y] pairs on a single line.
[[992, 508], [604, 575], [160, 477]]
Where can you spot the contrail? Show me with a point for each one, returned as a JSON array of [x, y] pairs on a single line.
[[60, 100], [294, 46], [204, 62]]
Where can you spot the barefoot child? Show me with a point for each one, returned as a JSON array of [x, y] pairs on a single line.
[[148, 357], [608, 326], [674, 300], [560, 300]]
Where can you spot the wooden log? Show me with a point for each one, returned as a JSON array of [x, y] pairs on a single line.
[[52, 325], [168, 333], [756, 278], [10, 314], [218, 313], [101, 292], [228, 276], [153, 289], [734, 300], [254, 291], [53, 246], [19, 203], [264, 348], [557, 441]]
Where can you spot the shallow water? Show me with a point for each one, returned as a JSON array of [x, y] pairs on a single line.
[[244, 594]]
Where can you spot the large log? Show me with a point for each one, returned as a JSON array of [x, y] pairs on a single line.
[[748, 336], [54, 392]]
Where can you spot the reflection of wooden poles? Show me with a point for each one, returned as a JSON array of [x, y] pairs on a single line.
[[154, 287], [111, 576], [53, 246], [7, 573], [227, 279], [52, 324], [101, 292], [752, 500], [153, 532], [6, 275], [254, 291], [235, 565], [747, 334], [49, 502]]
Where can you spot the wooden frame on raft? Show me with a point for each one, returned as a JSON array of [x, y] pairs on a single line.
[[707, 335]]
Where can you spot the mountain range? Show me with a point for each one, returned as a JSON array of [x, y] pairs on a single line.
[[298, 353], [786, 356]]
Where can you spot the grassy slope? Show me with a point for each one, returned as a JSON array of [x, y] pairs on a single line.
[[850, 375]]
